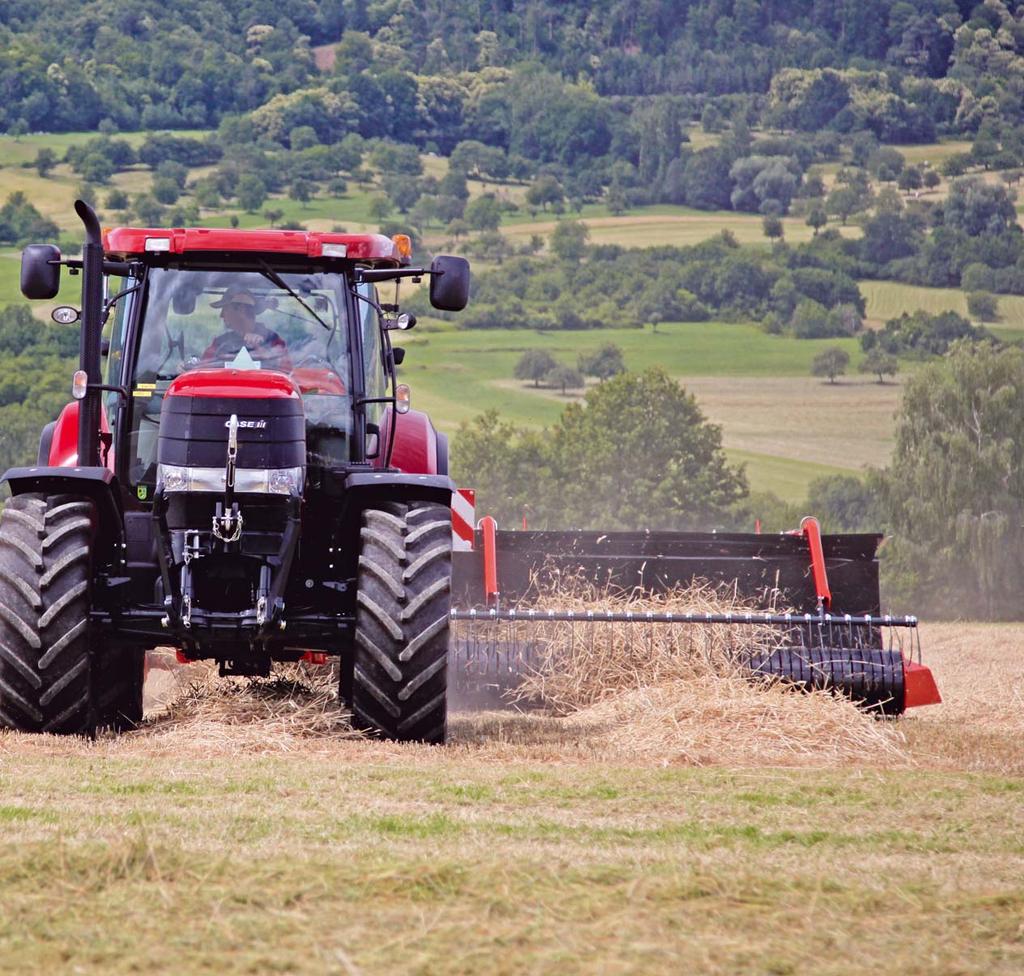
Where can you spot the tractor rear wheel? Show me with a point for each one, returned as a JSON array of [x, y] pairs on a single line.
[[51, 679], [399, 679]]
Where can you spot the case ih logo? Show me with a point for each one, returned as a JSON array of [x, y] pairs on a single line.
[[250, 424]]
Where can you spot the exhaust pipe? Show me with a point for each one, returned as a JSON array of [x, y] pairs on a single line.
[[89, 339]]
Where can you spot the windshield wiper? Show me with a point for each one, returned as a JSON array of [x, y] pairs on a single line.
[[269, 272]]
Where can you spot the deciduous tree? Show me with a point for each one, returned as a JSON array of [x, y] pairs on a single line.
[[564, 377], [880, 363], [831, 362], [604, 363], [535, 364]]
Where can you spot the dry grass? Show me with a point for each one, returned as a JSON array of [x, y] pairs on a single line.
[[530, 844], [675, 230], [298, 703], [680, 695], [619, 693], [810, 419], [980, 724]]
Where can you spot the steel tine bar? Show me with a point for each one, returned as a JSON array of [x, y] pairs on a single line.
[[806, 620]]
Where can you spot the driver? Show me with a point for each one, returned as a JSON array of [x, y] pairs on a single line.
[[238, 310]]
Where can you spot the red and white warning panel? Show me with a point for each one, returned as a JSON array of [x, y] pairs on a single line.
[[463, 518]]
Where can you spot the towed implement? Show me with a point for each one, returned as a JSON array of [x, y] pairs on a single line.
[[239, 475], [832, 635]]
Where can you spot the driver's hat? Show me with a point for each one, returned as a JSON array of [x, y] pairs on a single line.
[[235, 296]]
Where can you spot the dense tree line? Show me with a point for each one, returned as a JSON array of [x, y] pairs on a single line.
[[607, 286], [563, 83]]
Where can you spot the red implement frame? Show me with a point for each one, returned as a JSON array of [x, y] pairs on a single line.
[[811, 530], [919, 687], [489, 534]]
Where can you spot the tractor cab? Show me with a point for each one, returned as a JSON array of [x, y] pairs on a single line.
[[251, 303]]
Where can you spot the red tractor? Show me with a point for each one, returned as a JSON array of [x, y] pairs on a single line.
[[243, 479]]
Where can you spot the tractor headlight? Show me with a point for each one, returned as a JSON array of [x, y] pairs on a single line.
[[171, 477], [274, 481]]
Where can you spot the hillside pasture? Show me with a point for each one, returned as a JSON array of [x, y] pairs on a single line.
[[890, 299], [787, 427], [639, 228]]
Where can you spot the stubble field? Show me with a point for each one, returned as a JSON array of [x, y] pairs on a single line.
[[220, 842]]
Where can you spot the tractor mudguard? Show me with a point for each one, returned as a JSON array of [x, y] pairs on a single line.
[[362, 490], [46, 443], [63, 437], [415, 447], [97, 484]]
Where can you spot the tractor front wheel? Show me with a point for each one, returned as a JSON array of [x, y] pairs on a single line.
[[399, 678], [51, 678]]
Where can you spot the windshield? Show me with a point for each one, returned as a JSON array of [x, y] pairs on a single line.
[[292, 323]]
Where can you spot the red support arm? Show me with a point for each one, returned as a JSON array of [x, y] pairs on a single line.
[[489, 533], [812, 533]]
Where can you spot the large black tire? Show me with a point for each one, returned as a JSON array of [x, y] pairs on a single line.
[[51, 679], [400, 674]]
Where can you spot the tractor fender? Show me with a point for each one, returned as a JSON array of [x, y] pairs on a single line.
[[63, 438], [99, 485], [415, 448], [442, 453], [46, 443], [364, 489]]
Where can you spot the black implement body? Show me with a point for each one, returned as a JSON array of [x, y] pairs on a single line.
[[846, 646], [655, 562]]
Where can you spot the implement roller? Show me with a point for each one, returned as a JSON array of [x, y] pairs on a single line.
[[836, 637]]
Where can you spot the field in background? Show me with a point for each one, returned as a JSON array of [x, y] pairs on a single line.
[[890, 299], [457, 375], [672, 227], [520, 848], [776, 418]]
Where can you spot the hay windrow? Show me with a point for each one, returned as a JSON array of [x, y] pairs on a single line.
[[296, 704], [677, 694], [633, 693]]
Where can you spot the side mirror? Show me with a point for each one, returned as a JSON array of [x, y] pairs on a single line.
[[40, 271], [397, 355], [449, 283]]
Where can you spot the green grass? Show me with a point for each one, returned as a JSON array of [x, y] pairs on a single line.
[[370, 860], [890, 299], [784, 477], [458, 374]]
